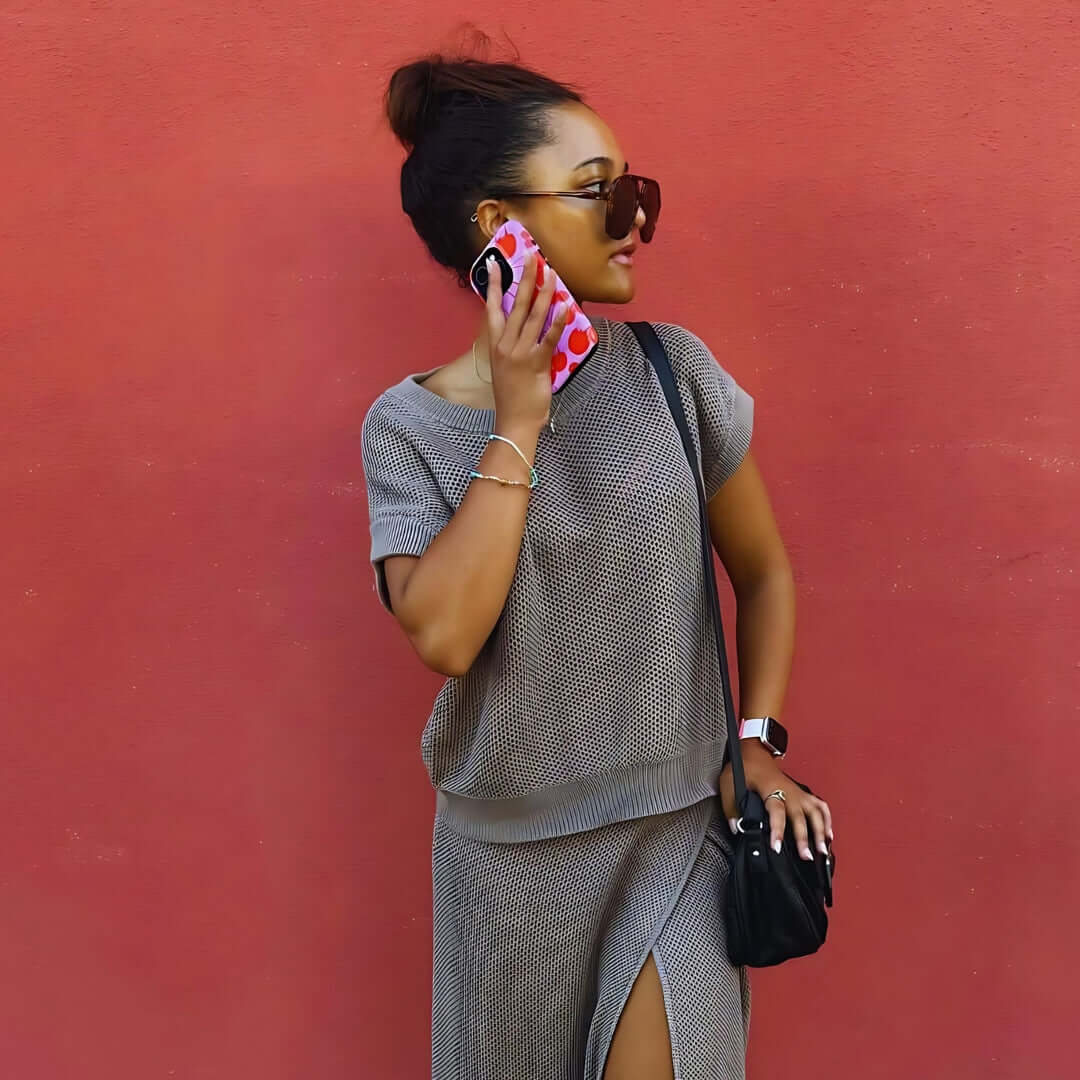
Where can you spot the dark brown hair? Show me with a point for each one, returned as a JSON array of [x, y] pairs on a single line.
[[468, 125]]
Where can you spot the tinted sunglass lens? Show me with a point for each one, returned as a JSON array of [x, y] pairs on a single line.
[[622, 207], [650, 203]]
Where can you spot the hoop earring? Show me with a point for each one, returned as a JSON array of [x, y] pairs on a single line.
[[473, 218]]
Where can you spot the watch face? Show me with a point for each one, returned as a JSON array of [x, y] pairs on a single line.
[[776, 735]]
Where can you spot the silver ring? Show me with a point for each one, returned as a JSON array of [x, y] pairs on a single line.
[[777, 794]]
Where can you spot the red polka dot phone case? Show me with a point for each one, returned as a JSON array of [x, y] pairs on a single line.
[[509, 246]]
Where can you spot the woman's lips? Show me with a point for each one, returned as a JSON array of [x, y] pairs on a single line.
[[625, 258]]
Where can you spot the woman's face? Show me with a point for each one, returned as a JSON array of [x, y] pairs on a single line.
[[583, 154]]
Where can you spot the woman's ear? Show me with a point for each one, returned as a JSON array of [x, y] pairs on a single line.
[[490, 217]]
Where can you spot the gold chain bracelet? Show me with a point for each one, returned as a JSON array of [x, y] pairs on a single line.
[[500, 480]]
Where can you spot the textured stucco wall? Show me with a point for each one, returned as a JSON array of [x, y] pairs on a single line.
[[215, 820]]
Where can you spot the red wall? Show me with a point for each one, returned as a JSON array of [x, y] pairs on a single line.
[[216, 824]]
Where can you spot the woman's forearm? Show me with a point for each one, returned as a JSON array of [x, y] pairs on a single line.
[[456, 591], [765, 632]]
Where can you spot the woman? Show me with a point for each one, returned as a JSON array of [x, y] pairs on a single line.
[[579, 858]]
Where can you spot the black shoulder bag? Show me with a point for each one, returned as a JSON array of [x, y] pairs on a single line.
[[775, 908]]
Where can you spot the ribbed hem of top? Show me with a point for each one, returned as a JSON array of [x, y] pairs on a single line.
[[736, 444], [396, 534], [651, 787]]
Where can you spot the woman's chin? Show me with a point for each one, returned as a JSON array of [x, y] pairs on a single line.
[[615, 287]]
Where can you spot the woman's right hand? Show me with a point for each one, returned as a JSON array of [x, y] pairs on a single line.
[[521, 364]]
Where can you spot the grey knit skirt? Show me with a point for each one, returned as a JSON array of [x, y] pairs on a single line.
[[537, 945]]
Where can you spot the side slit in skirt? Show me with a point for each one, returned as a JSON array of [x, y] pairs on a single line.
[[536, 946]]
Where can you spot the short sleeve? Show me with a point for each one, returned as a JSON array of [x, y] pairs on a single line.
[[406, 507], [725, 411]]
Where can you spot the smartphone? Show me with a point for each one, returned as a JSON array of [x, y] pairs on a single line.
[[509, 246]]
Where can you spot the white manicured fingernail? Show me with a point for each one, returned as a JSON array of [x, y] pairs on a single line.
[[776, 846]]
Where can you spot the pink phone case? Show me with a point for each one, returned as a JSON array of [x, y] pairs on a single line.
[[579, 339]]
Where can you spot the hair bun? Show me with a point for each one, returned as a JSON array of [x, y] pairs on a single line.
[[475, 122], [409, 98]]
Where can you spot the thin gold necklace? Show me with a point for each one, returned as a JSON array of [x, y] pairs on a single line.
[[476, 368]]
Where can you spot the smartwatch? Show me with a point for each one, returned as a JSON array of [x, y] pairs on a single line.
[[769, 730]]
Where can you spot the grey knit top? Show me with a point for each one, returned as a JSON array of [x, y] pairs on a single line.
[[597, 697]]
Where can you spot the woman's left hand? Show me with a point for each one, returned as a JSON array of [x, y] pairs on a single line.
[[764, 776]]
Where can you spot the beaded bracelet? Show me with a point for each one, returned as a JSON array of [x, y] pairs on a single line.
[[510, 442], [500, 480], [534, 479]]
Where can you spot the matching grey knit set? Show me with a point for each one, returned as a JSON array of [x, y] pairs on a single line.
[[575, 762]]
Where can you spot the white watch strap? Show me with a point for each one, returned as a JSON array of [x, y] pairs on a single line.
[[752, 728]]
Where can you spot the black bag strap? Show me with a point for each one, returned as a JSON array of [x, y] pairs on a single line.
[[658, 357]]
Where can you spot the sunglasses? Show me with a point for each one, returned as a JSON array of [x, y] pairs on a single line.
[[623, 196]]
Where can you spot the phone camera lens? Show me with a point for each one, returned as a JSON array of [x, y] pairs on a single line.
[[481, 276]]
